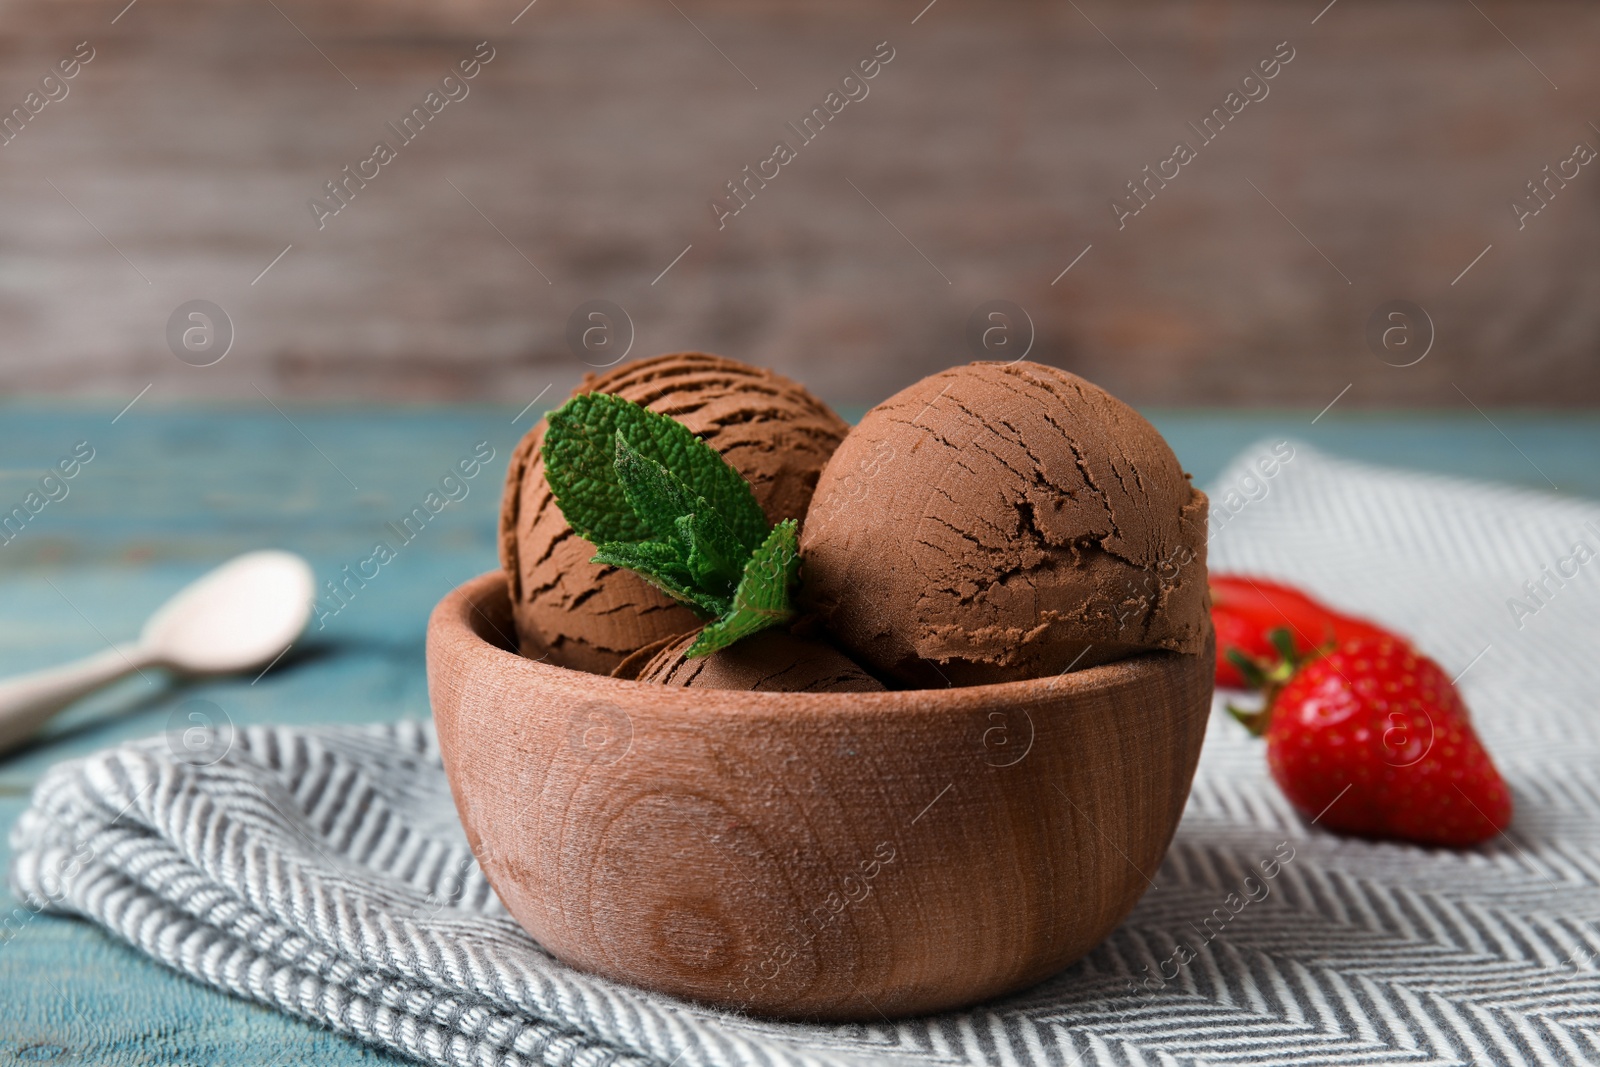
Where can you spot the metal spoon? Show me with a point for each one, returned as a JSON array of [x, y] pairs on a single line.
[[241, 615]]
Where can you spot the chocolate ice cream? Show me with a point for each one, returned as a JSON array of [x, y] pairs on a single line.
[[640, 658], [1005, 521], [773, 661], [581, 615]]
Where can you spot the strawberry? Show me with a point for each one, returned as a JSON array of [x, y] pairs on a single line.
[[1246, 609], [1370, 737]]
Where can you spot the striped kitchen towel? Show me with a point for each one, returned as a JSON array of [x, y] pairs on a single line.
[[323, 872]]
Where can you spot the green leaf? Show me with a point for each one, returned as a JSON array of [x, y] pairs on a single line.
[[1254, 676], [762, 597], [657, 496], [678, 517], [715, 558], [656, 499], [580, 462], [663, 566]]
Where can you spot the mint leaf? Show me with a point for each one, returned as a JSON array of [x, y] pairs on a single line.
[[580, 463], [715, 558], [664, 567], [762, 598], [657, 496], [579, 454], [655, 499], [676, 516]]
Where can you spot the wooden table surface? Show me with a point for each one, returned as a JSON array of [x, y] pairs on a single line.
[[173, 491], [985, 161]]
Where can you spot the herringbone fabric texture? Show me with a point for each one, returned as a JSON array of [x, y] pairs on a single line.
[[323, 871]]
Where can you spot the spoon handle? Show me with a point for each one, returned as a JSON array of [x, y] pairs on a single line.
[[28, 700]]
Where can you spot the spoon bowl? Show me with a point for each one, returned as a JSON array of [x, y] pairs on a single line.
[[235, 617]]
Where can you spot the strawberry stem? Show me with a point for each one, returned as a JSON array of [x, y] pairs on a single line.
[[1268, 677], [1254, 676], [1254, 721], [1283, 641]]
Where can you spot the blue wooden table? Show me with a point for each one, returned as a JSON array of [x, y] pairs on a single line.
[[171, 492]]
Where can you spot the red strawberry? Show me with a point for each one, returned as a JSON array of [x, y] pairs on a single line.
[[1371, 738], [1245, 610]]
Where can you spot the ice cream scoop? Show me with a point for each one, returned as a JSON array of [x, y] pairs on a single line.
[[640, 658], [578, 614], [1004, 521], [773, 661]]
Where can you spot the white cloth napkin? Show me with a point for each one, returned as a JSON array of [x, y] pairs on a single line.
[[323, 872]]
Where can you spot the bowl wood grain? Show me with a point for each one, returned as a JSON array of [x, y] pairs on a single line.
[[816, 856]]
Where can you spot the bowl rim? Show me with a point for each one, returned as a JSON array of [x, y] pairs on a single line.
[[451, 620]]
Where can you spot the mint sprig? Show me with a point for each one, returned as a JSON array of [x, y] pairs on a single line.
[[654, 498], [762, 596]]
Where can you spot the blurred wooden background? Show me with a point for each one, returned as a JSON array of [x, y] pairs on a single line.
[[983, 162]]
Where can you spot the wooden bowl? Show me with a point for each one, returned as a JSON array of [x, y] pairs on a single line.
[[814, 856]]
